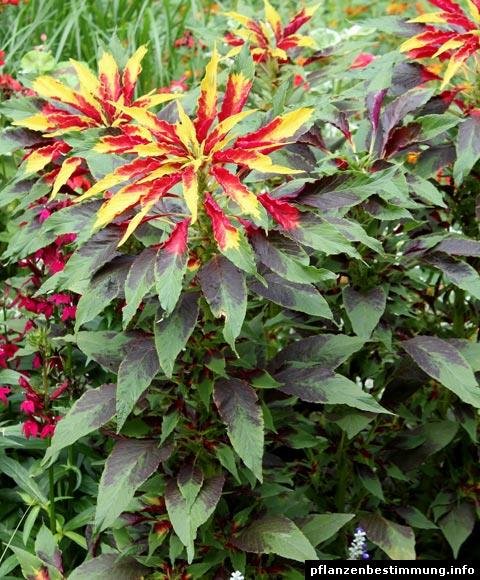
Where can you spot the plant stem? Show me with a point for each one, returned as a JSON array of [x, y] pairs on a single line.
[[459, 313], [342, 475], [51, 497]]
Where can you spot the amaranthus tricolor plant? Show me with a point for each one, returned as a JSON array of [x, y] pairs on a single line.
[[240, 321]]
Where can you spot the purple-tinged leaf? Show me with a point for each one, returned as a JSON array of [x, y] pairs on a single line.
[[109, 566], [443, 362], [131, 463], [459, 273], [135, 374], [173, 332], [100, 249], [225, 289], [301, 297], [92, 410], [186, 520], [354, 232], [237, 404], [458, 524], [286, 258], [326, 350], [397, 541], [433, 159], [321, 385], [322, 236], [397, 110], [408, 75], [364, 309], [374, 102], [275, 535], [468, 147], [106, 285], [140, 280], [459, 247], [190, 481], [400, 138], [106, 347], [171, 265]]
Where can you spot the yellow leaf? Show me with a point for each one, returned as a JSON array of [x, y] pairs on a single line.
[[160, 172], [66, 171], [240, 18], [36, 161], [108, 69], [110, 180], [473, 11], [190, 191], [38, 122], [148, 101], [272, 16], [125, 198], [452, 68], [429, 18], [412, 44], [305, 41], [86, 77], [186, 130], [133, 67], [136, 221], [49, 88], [449, 45], [208, 88]]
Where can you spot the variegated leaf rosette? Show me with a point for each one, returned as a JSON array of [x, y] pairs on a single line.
[[270, 38], [451, 33], [175, 185], [96, 103]]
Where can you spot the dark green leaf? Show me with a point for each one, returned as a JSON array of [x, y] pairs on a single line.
[[237, 404], [131, 462], [442, 361], [173, 332], [225, 289], [92, 410], [364, 309]]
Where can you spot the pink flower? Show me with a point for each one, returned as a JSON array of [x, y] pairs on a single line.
[[59, 390], [27, 407], [362, 60], [7, 351], [69, 313], [4, 391], [37, 361], [58, 299], [30, 428], [22, 381], [47, 431], [44, 214]]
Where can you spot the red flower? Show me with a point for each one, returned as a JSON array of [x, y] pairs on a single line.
[[69, 313], [7, 351], [28, 407], [47, 431], [58, 299], [4, 391], [2, 57], [30, 428], [362, 60]]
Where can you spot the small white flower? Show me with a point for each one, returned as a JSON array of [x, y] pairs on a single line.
[[368, 384], [237, 576]]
